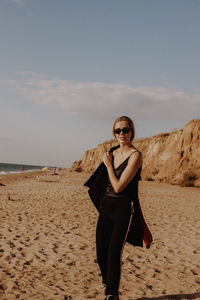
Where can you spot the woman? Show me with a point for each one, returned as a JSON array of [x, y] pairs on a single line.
[[114, 192]]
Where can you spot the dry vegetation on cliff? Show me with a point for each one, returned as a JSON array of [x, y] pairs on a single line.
[[168, 157]]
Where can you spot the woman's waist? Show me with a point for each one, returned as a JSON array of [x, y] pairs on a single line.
[[112, 194], [126, 193], [115, 197], [116, 204], [120, 199]]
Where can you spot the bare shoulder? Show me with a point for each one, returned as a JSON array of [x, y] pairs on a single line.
[[135, 157]]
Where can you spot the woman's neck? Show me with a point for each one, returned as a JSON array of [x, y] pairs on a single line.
[[124, 148]]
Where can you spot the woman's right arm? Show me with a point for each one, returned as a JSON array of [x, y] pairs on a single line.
[[134, 163]]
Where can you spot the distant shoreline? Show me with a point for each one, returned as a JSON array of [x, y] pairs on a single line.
[[7, 168], [18, 172]]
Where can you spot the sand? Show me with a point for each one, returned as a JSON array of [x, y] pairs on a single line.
[[47, 241]]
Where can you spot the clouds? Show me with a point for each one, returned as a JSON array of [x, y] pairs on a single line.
[[19, 2], [103, 101]]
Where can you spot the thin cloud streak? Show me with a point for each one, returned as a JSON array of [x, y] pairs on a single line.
[[103, 101]]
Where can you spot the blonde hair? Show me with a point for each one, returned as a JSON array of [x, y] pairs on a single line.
[[130, 123]]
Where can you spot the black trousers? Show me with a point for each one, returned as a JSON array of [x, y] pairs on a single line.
[[110, 239]]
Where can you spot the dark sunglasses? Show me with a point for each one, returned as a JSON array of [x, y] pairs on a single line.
[[125, 130]]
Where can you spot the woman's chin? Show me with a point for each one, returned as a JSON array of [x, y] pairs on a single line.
[[123, 141]]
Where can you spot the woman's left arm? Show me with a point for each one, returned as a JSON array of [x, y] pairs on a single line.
[[134, 163]]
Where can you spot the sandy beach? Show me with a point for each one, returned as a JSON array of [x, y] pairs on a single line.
[[47, 241]]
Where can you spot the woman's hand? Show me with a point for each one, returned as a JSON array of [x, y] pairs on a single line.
[[134, 163], [107, 159]]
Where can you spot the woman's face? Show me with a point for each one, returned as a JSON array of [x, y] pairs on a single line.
[[123, 137]]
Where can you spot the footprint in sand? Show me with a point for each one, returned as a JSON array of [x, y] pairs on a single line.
[[55, 247]]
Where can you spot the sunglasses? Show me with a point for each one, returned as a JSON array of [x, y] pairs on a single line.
[[125, 130]]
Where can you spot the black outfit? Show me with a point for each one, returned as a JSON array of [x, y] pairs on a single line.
[[120, 220], [116, 212]]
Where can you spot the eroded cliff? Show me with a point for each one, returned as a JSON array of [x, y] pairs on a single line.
[[169, 157]]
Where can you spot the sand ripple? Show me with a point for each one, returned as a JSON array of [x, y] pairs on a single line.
[[47, 242]]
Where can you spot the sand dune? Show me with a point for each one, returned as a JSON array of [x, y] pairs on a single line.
[[47, 241]]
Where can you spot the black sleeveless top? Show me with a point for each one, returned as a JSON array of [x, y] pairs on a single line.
[[118, 206], [131, 188]]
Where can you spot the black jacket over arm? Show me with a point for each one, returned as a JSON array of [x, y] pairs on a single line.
[[138, 230]]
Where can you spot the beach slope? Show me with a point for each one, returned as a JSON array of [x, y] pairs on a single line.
[[47, 241]]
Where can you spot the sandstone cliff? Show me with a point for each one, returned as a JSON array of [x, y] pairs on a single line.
[[169, 157]]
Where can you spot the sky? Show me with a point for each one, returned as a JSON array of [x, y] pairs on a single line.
[[69, 68]]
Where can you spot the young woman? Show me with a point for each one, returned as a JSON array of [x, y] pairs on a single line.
[[114, 192]]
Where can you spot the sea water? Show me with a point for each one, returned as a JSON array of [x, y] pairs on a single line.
[[6, 168]]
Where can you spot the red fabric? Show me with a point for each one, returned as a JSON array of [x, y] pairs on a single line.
[[148, 239]]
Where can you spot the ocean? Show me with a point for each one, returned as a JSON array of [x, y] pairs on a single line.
[[6, 168]]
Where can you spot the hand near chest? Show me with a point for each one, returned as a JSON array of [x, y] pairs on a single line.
[[107, 159], [113, 161]]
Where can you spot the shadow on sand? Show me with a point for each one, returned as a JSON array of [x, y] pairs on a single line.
[[173, 297]]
